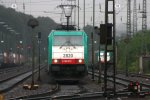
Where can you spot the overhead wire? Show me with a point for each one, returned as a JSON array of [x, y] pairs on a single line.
[[31, 3]]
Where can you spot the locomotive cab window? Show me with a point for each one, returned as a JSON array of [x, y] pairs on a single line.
[[67, 40]]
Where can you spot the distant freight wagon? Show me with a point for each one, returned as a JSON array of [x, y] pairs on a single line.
[[10, 59]]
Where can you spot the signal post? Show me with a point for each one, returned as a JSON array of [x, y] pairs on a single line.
[[107, 38]]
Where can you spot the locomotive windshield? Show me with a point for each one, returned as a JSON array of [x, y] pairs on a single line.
[[67, 40]]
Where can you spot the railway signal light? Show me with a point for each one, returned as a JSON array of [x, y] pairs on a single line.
[[137, 83], [106, 33], [135, 87], [131, 84], [39, 35]]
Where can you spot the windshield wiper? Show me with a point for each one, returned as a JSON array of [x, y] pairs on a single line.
[[68, 44]]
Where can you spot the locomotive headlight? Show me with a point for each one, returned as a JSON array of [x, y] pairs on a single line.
[[80, 61], [55, 61]]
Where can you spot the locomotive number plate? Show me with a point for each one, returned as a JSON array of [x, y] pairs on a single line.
[[67, 55]]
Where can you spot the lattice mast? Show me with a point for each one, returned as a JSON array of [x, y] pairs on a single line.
[[112, 40], [129, 18], [134, 17], [144, 16]]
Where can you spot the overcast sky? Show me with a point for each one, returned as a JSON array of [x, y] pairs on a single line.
[[48, 8]]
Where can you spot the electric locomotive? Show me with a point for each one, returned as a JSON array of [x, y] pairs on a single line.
[[67, 54]]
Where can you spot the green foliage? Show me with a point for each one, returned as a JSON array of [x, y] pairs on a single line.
[[138, 45], [134, 67]]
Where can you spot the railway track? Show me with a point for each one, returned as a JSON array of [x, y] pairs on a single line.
[[9, 83], [118, 81], [132, 77], [54, 89], [146, 77], [6, 70], [96, 95], [12, 72], [67, 92], [64, 92], [78, 91], [57, 92]]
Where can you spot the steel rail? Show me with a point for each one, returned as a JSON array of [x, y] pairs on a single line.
[[81, 95], [11, 83], [39, 96]]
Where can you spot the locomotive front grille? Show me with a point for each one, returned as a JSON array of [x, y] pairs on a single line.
[[68, 70]]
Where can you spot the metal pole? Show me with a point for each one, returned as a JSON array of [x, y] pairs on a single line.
[[21, 46], [93, 14], [105, 52], [126, 64], [19, 53], [67, 23], [114, 47], [33, 23], [2, 45], [78, 14], [7, 46], [84, 13], [33, 58], [75, 14], [71, 16], [39, 78], [116, 55], [29, 55], [92, 57], [93, 40], [99, 63]]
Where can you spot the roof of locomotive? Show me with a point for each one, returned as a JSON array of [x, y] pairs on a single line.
[[64, 32]]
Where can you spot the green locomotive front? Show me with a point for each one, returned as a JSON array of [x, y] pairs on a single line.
[[67, 54]]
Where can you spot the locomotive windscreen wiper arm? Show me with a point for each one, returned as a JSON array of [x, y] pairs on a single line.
[[68, 44]]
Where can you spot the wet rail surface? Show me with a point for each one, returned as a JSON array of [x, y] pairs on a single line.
[[8, 83], [136, 77], [13, 72], [19, 91], [122, 79], [87, 91], [63, 91]]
